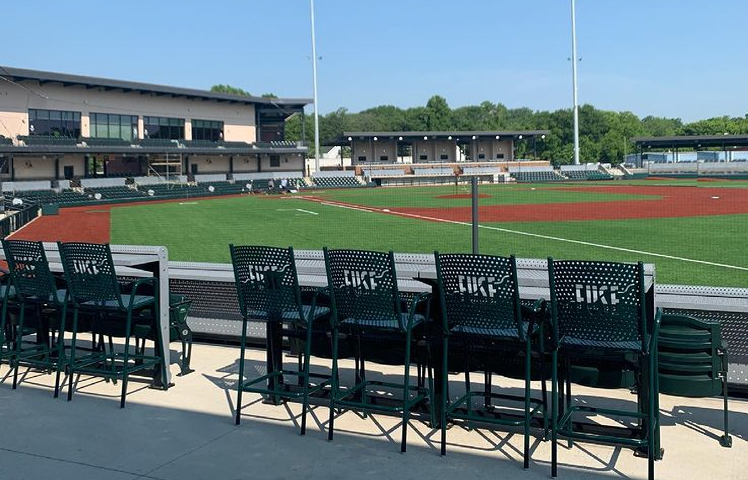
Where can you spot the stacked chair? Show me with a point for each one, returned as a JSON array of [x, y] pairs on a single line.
[[482, 320], [600, 310], [693, 361], [367, 309], [268, 291]]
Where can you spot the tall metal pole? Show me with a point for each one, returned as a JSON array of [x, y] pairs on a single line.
[[474, 211], [314, 75], [574, 79]]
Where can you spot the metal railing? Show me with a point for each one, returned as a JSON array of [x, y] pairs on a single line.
[[14, 221]]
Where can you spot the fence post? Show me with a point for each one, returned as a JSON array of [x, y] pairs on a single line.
[[474, 188]]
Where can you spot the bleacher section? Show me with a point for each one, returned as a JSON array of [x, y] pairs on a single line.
[[49, 196], [532, 173], [432, 172], [481, 170], [105, 142], [389, 172], [5, 140], [113, 193], [546, 176], [336, 182], [158, 142], [48, 140]]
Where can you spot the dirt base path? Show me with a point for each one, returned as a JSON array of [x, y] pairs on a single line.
[[75, 224], [672, 202]]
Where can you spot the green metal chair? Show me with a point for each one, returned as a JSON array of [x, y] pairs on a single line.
[[7, 345], [94, 289], [693, 361], [601, 309], [366, 306], [35, 288], [482, 318], [267, 286]]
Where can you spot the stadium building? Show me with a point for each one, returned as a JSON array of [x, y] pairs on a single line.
[[60, 127]]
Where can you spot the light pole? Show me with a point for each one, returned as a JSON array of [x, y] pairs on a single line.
[[314, 76], [574, 80]]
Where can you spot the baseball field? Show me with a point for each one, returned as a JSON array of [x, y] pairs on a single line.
[[695, 232]]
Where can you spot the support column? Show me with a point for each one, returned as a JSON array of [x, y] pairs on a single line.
[[57, 168], [231, 164]]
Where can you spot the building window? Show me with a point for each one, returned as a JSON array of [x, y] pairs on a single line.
[[481, 156], [275, 161], [163, 127], [499, 156], [56, 123], [423, 157], [207, 130], [362, 158], [384, 158], [443, 156], [107, 125]]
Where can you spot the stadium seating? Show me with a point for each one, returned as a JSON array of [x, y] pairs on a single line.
[[538, 176], [5, 140], [336, 182], [112, 193], [158, 142], [105, 142], [587, 175], [48, 140]]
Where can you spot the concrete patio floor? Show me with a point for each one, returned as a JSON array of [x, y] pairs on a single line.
[[188, 433]]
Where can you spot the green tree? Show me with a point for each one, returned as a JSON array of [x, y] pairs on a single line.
[[221, 88]]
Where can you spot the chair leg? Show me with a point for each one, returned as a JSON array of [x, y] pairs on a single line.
[[125, 359], [445, 395], [651, 414], [334, 384], [15, 360], [544, 392], [725, 440], [567, 398], [487, 379], [72, 355], [554, 414], [528, 374], [240, 381], [406, 394], [305, 398], [60, 349]]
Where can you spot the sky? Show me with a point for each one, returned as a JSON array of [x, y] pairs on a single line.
[[674, 58]]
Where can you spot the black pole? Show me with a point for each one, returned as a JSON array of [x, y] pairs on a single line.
[[474, 185]]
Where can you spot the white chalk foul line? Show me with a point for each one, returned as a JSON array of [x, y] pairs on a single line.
[[306, 211], [578, 242], [550, 237]]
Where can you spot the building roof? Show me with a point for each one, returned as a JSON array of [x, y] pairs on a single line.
[[133, 150], [692, 141], [21, 74], [461, 136]]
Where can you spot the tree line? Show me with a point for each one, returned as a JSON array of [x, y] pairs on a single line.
[[604, 136]]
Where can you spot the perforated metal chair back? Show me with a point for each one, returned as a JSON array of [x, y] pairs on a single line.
[[363, 287], [266, 281], [90, 275], [479, 294], [599, 304], [29, 269]]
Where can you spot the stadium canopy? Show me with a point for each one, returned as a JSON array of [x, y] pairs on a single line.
[[722, 142], [460, 137], [66, 80]]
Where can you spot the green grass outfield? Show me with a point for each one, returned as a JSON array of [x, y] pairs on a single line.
[[202, 230]]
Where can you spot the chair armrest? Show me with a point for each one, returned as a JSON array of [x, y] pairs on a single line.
[[317, 292], [655, 333], [152, 281], [418, 299]]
